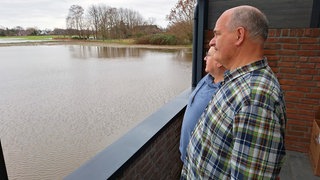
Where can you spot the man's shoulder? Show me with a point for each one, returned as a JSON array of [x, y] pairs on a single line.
[[252, 85]]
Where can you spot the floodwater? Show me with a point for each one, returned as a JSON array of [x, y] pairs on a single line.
[[62, 104]]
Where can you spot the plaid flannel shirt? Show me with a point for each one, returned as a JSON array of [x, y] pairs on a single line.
[[241, 133]]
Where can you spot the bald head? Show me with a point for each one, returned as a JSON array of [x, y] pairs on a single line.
[[252, 19], [239, 36]]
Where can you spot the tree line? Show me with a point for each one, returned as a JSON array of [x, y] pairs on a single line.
[[30, 31], [103, 22]]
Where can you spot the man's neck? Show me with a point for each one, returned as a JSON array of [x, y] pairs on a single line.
[[247, 56], [218, 79]]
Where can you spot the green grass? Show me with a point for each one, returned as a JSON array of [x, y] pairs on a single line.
[[49, 37], [37, 37], [118, 41]]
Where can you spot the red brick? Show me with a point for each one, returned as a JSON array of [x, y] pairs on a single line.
[[304, 77], [307, 53], [291, 46], [292, 111], [289, 40], [272, 40], [299, 117], [272, 63], [313, 96], [299, 128], [302, 106], [310, 47], [288, 70], [288, 82], [287, 64], [308, 41], [297, 122], [315, 90], [314, 59], [285, 32], [297, 134], [310, 101], [312, 32], [297, 32], [297, 137], [306, 65], [307, 83], [286, 88], [273, 58], [274, 32], [270, 52], [290, 58], [287, 76], [309, 71], [288, 52], [303, 59], [292, 99], [295, 94], [308, 112], [302, 89], [275, 70], [272, 46]]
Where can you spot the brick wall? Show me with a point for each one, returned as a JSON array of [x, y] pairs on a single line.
[[159, 158], [294, 55]]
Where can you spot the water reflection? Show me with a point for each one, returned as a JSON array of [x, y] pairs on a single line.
[[86, 52], [109, 52], [58, 111]]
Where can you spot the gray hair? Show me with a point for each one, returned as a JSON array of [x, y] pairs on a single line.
[[252, 19]]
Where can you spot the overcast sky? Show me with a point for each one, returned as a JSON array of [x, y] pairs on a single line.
[[52, 14]]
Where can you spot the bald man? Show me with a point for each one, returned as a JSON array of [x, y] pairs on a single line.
[[241, 134]]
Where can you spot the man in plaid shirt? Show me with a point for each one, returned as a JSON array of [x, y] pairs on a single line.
[[241, 133]]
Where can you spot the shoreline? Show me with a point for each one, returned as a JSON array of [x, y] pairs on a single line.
[[92, 43]]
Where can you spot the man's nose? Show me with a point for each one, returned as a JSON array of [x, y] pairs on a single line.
[[212, 42], [205, 58]]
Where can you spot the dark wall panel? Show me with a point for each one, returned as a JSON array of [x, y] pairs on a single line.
[[281, 13]]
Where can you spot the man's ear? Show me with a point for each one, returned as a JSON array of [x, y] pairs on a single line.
[[240, 35], [219, 65]]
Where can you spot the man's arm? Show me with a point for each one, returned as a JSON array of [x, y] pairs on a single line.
[[258, 149]]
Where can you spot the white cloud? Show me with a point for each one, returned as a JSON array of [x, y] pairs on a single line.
[[52, 13]]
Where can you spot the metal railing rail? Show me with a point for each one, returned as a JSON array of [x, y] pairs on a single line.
[[3, 169]]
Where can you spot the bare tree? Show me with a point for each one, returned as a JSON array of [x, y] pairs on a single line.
[[113, 20], [104, 21], [93, 17], [182, 12], [31, 31], [128, 20], [19, 31], [151, 21], [75, 19], [181, 20]]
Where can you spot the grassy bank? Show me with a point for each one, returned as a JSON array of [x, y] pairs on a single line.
[[29, 37], [66, 40], [56, 37]]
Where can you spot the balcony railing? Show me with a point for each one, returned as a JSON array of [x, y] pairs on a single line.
[[148, 151]]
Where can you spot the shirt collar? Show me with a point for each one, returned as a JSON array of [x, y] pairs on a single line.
[[210, 81], [229, 75]]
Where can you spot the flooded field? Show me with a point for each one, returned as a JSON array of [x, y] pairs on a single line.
[[62, 104]]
